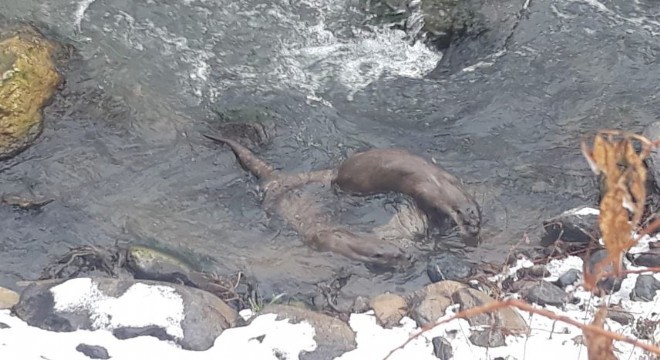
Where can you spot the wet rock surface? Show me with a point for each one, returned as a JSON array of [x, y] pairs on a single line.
[[545, 293], [190, 317], [333, 337], [448, 266], [575, 225], [28, 79], [93, 351], [645, 288]]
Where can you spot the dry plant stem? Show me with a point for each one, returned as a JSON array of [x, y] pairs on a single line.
[[529, 308]]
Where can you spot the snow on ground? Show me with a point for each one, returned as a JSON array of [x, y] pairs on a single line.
[[547, 340]]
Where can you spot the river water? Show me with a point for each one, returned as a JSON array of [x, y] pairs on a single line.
[[122, 155]]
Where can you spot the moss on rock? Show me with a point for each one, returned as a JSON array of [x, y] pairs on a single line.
[[28, 79]]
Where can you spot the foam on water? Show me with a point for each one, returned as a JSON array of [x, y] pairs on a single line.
[[370, 54]]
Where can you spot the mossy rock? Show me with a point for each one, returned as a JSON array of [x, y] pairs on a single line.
[[28, 79]]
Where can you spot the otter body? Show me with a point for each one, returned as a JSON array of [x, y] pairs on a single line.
[[285, 194], [436, 191]]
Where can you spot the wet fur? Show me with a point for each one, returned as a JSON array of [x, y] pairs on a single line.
[[284, 194], [437, 192]]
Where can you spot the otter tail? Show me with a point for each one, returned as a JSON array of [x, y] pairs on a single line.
[[246, 157]]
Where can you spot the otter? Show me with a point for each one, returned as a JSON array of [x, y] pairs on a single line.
[[284, 195], [436, 192]]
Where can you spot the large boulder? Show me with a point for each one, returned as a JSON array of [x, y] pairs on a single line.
[[28, 79], [190, 317]]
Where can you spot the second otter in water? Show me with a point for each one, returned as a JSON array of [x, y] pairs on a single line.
[[394, 170], [285, 196]]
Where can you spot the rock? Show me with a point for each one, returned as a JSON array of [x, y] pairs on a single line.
[[147, 263], [333, 337], [190, 317], [360, 305], [489, 338], [652, 132], [28, 79], [448, 266], [8, 298], [479, 28], [389, 309], [576, 225], [570, 277], [442, 348], [645, 288], [4, 326], [431, 302], [609, 284], [533, 272], [93, 351], [650, 258], [620, 315], [435, 17], [545, 293], [507, 318]]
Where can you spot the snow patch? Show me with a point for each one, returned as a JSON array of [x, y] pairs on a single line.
[[141, 305]]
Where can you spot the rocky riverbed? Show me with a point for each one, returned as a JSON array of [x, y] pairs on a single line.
[[104, 318]]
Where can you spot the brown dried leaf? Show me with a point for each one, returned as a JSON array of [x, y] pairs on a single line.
[[623, 172], [599, 347]]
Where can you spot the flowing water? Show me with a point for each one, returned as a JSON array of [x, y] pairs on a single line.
[[122, 155]]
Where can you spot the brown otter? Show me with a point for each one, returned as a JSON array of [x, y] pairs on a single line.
[[284, 194], [393, 170]]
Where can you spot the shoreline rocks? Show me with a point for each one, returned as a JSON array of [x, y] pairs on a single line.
[[190, 317]]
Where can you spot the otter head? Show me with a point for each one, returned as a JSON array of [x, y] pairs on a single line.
[[468, 218], [463, 209], [361, 247]]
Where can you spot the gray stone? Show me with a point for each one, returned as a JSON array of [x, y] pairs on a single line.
[[620, 315], [574, 225], [203, 315], [479, 28], [489, 338], [645, 288], [506, 318], [570, 277], [4, 326], [442, 348], [448, 266], [533, 272], [609, 284], [333, 336], [93, 351], [545, 293], [650, 258]]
